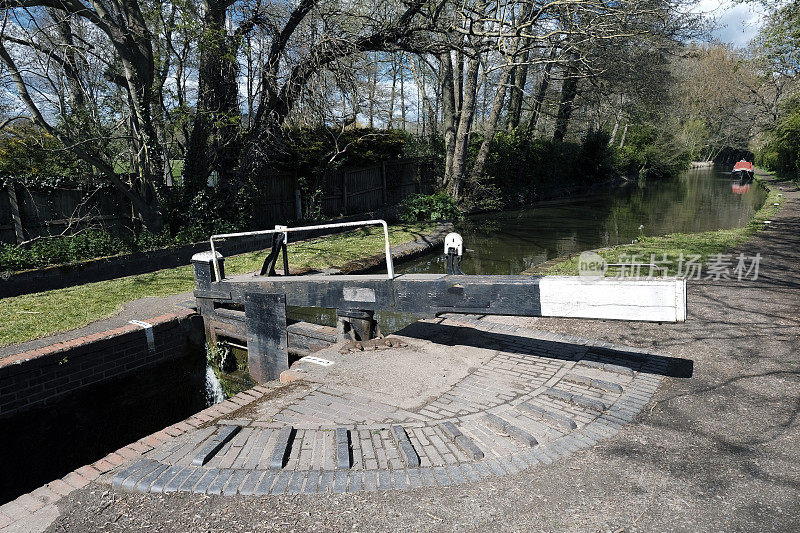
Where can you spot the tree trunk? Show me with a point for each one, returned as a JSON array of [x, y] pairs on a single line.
[[491, 125], [393, 93], [402, 96], [614, 131], [449, 115], [372, 87], [538, 100], [624, 134], [520, 78], [426, 102], [213, 143], [461, 149], [569, 90]]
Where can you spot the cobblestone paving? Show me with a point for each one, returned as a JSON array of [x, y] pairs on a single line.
[[535, 397]]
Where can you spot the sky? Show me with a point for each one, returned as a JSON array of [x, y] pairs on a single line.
[[736, 23]]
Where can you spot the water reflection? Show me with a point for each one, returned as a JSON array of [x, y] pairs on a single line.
[[513, 241]]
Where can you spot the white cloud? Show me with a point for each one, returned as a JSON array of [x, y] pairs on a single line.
[[733, 23]]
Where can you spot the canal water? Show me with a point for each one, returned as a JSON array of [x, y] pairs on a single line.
[[512, 241], [46, 443]]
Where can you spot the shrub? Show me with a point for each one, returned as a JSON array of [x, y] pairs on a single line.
[[58, 250], [438, 206], [782, 150]]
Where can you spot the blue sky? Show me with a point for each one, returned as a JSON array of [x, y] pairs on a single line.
[[736, 23]]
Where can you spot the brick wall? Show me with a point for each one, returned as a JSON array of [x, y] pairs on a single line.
[[42, 375]]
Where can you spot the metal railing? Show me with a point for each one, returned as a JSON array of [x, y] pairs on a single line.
[[285, 230]]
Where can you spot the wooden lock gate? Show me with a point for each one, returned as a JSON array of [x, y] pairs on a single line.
[[261, 299]]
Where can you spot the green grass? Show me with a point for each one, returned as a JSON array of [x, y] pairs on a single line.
[[31, 316], [705, 244]]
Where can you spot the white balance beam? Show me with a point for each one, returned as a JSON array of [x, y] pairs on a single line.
[[652, 300]]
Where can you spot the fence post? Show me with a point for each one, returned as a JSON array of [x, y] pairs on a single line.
[[12, 199], [383, 180], [344, 192], [298, 207]]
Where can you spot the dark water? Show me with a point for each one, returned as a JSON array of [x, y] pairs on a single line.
[[512, 241], [46, 443]]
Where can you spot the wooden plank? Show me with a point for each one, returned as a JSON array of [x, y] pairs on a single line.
[[267, 342], [12, 197], [660, 300], [654, 300]]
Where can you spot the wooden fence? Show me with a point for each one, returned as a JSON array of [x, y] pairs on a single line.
[[28, 213], [25, 213], [367, 189]]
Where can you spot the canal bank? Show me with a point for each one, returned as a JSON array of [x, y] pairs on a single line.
[[717, 451]]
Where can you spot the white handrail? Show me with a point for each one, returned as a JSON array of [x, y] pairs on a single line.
[[282, 229]]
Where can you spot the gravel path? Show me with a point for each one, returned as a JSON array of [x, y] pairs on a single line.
[[714, 452]]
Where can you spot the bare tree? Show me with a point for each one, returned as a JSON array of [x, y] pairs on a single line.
[[131, 69]]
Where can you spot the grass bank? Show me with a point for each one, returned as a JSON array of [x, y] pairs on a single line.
[[704, 244], [31, 316]]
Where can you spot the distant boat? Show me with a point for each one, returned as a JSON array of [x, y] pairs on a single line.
[[742, 170]]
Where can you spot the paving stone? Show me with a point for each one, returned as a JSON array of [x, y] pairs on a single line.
[[427, 477], [407, 451], [208, 478], [455, 474], [356, 481], [215, 444], [281, 482], [371, 480], [281, 448], [167, 476], [144, 484], [218, 484], [470, 472], [384, 479], [29, 503], [342, 449], [326, 481], [250, 482], [189, 476], [440, 474], [121, 476], [414, 478], [601, 384], [575, 399], [507, 465], [234, 482], [295, 483], [495, 467], [482, 469], [506, 427], [312, 480], [463, 442], [399, 479], [340, 482], [552, 417], [138, 474], [265, 483]]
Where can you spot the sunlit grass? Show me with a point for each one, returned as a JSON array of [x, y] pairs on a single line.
[[31, 316]]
